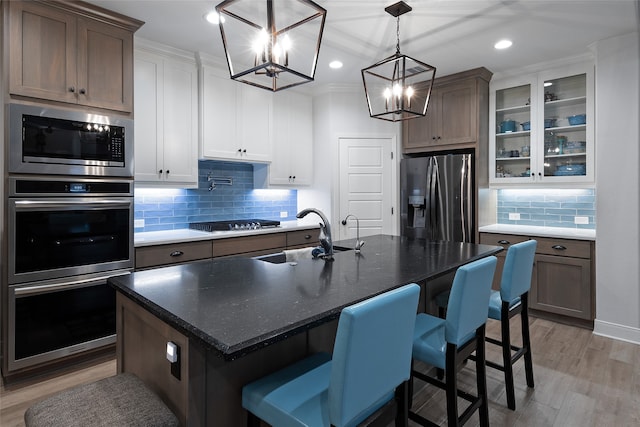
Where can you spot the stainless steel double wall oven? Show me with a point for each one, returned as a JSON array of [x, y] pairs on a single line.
[[69, 226]]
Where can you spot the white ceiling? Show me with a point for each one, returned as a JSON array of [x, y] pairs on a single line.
[[452, 35]]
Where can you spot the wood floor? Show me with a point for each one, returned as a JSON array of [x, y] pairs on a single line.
[[581, 380]]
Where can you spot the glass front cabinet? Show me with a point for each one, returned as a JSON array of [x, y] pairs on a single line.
[[541, 128]]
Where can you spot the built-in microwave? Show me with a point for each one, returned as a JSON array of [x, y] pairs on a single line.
[[45, 140]]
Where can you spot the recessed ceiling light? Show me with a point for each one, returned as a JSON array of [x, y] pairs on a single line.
[[335, 64], [547, 84], [503, 44], [213, 17]]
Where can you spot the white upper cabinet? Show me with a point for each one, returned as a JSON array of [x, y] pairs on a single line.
[[235, 118], [292, 163], [166, 117], [542, 128]]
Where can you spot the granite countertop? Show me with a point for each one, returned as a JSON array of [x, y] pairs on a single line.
[[151, 238], [530, 230], [234, 306]]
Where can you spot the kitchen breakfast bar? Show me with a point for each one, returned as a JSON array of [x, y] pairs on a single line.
[[234, 320]]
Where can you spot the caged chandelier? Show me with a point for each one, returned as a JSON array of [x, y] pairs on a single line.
[[271, 44], [398, 87]]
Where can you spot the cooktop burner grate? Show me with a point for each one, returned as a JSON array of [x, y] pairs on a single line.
[[239, 224]]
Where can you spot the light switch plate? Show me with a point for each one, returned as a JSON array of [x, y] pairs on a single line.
[[581, 220], [172, 352], [283, 214], [514, 216], [138, 223]]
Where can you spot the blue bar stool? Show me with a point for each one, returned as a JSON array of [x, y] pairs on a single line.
[[371, 364], [513, 299], [447, 343]]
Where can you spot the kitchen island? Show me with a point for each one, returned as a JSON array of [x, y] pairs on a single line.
[[234, 320]]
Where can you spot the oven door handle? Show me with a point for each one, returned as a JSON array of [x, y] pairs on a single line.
[[74, 203], [55, 287]]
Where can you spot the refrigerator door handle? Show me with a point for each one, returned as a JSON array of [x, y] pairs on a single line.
[[428, 201], [464, 189], [436, 200], [467, 200]]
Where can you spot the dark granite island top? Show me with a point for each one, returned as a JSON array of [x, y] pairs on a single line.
[[238, 305], [234, 320]]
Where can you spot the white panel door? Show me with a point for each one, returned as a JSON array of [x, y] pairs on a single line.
[[365, 185]]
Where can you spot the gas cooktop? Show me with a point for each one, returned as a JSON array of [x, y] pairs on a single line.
[[237, 224]]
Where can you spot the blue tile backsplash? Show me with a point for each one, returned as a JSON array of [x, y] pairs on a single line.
[[168, 209], [548, 207]]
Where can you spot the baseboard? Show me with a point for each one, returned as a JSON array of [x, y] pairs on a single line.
[[560, 318], [615, 331]]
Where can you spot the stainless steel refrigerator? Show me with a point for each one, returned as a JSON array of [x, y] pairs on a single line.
[[437, 197]]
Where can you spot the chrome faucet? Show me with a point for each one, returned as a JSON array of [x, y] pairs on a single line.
[[325, 232], [359, 243]]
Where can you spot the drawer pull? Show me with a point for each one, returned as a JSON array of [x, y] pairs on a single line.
[[504, 242], [176, 253], [559, 247], [307, 236]]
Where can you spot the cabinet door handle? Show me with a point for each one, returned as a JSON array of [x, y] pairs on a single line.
[[83, 91], [72, 89], [559, 247], [307, 236], [167, 171], [433, 137], [176, 253], [504, 242]]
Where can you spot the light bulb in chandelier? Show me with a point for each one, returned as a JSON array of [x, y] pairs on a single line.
[[387, 96], [260, 46], [271, 48], [281, 49], [397, 93], [408, 92]]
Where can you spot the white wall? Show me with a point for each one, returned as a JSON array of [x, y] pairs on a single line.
[[618, 187], [337, 111]]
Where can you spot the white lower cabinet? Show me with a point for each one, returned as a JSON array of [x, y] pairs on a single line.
[[166, 117], [235, 119]]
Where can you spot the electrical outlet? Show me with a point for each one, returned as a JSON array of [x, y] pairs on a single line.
[[514, 216], [581, 220], [283, 214], [138, 223]]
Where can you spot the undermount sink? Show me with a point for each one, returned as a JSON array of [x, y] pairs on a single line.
[[280, 258]]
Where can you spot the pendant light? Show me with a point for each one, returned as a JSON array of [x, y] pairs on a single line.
[[398, 87], [271, 44]]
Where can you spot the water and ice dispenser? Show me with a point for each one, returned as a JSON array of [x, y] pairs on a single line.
[[417, 210], [413, 197]]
